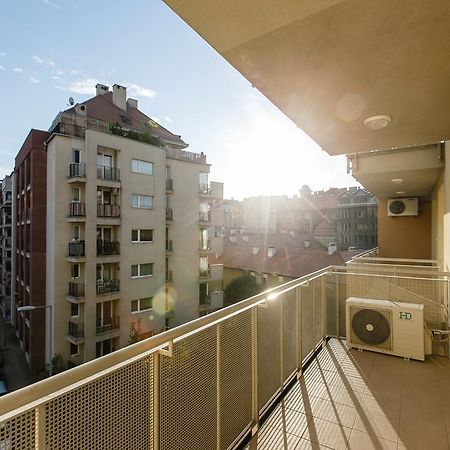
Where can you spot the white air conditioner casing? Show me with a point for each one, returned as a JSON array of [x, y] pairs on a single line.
[[387, 327], [403, 206]]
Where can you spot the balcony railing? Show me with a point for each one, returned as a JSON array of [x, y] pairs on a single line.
[[107, 287], [105, 210], [169, 245], [169, 276], [169, 185], [77, 209], [76, 330], [204, 217], [105, 248], [108, 173], [169, 214], [205, 273], [204, 188], [106, 324], [76, 289], [76, 249], [213, 379], [204, 245], [77, 170]]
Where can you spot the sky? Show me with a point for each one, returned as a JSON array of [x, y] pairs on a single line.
[[51, 50]]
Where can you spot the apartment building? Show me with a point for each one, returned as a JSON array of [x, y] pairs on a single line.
[[131, 220], [5, 246]]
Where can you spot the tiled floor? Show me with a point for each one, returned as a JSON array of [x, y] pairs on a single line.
[[363, 400]]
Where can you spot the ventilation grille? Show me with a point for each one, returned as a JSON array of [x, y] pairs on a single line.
[[371, 327]]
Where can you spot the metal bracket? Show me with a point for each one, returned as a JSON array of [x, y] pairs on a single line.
[[263, 304], [168, 352]]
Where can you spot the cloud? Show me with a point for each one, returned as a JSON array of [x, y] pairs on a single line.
[[2, 68], [75, 72], [47, 62], [168, 119], [140, 91], [2, 54], [83, 86], [59, 73], [33, 80], [55, 77], [18, 70], [51, 4]]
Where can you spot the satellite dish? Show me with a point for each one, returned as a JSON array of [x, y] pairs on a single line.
[[71, 101]]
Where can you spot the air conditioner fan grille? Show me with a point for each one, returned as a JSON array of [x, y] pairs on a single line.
[[371, 327]]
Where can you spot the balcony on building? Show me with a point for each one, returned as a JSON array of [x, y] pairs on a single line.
[[211, 301], [75, 332], [204, 218], [108, 214], [169, 185], [76, 250], [76, 291], [204, 245], [169, 276], [107, 173], [169, 246], [169, 214], [77, 212], [107, 324], [107, 248], [214, 272], [107, 286], [77, 172]]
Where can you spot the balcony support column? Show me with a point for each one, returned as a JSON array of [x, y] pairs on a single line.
[[298, 327], [218, 385], [255, 408], [338, 304], [281, 344], [314, 336], [156, 400]]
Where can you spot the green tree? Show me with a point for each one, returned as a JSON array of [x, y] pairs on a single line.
[[240, 288]]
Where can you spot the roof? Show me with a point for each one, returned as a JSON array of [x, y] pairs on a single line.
[[101, 107], [325, 229]]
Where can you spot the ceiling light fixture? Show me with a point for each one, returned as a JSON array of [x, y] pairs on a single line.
[[401, 192], [378, 122], [397, 180]]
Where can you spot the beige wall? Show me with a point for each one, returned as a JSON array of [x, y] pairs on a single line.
[[446, 210], [405, 237], [437, 222]]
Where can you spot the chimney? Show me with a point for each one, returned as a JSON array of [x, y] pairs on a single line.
[[101, 89], [331, 249], [132, 103], [120, 96]]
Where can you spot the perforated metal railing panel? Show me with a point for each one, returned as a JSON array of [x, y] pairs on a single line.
[[289, 334], [114, 411], [235, 377], [19, 432], [306, 299], [318, 310], [269, 376], [188, 394]]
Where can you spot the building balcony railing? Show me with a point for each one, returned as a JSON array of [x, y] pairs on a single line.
[[106, 210], [169, 246], [76, 289], [75, 330], [106, 324], [76, 249], [204, 245], [204, 217], [108, 173], [184, 378], [169, 185], [169, 276], [169, 214], [205, 274], [77, 209], [204, 188], [77, 170], [105, 248], [107, 286]]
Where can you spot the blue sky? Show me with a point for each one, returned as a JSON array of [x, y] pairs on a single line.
[[53, 49]]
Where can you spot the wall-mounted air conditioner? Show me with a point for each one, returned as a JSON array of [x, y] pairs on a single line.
[[403, 206], [387, 327]]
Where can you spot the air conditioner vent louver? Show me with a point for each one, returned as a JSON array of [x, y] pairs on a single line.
[[371, 327]]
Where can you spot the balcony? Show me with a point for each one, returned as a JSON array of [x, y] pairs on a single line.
[[205, 274], [108, 173], [106, 324], [204, 245], [75, 331], [204, 218], [271, 369], [77, 210], [106, 210], [169, 246], [77, 171], [169, 215], [204, 189], [106, 248], [107, 287], [212, 301], [169, 276], [76, 249], [169, 185], [76, 289]]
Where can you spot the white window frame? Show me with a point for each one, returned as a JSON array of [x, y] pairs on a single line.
[[139, 236], [138, 167], [139, 271], [139, 196], [139, 310]]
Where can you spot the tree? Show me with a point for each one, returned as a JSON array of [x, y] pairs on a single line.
[[241, 288], [134, 331]]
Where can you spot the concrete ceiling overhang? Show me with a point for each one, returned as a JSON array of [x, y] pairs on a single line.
[[330, 64], [409, 172]]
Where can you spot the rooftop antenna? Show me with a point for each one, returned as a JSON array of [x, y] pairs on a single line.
[[71, 101]]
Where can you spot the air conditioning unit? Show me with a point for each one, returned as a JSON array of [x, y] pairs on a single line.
[[387, 327], [403, 206]]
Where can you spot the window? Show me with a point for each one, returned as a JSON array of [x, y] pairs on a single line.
[[73, 349], [142, 304], [142, 235], [74, 310], [143, 167], [76, 232], [76, 194], [141, 270], [141, 201], [75, 271], [75, 155]]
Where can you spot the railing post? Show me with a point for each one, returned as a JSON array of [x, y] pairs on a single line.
[[218, 369], [298, 310], [324, 310], [314, 314], [281, 343], [40, 426], [255, 408], [156, 400], [338, 323]]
